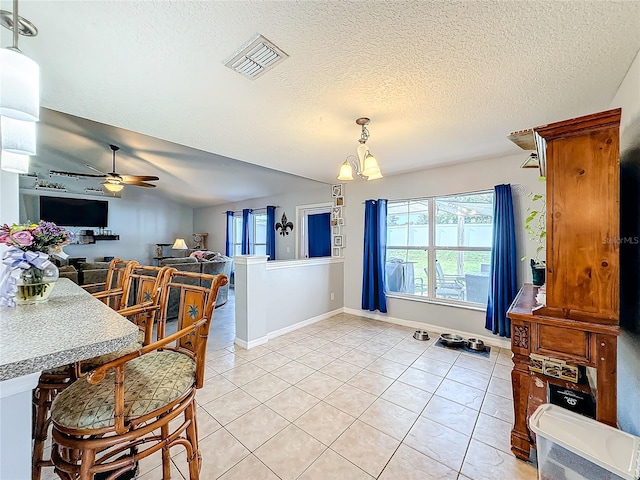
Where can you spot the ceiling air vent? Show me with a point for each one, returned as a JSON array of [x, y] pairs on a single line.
[[256, 58]]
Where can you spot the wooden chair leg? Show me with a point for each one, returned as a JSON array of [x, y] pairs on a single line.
[[166, 457], [88, 459], [42, 398], [195, 462]]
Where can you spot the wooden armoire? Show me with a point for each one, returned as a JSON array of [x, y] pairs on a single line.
[[579, 322]]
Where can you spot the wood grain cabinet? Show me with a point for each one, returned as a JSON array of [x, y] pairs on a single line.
[[579, 323]]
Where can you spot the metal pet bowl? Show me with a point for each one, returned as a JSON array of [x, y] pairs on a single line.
[[421, 335], [451, 340], [476, 344]]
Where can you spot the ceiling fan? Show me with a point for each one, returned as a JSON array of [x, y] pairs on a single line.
[[113, 181]]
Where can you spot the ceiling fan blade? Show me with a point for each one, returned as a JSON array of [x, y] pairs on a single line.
[[138, 178], [75, 174], [140, 184], [94, 169]]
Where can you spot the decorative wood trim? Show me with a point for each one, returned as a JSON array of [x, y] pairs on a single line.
[[520, 336], [581, 125]]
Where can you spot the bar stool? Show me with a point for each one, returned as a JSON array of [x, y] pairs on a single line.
[[124, 410], [139, 293]]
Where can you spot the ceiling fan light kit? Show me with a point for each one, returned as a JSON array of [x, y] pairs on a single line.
[[364, 164], [19, 96]]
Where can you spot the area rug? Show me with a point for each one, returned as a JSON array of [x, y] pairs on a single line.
[[466, 349]]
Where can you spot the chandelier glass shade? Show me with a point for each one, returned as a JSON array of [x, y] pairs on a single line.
[[19, 86]]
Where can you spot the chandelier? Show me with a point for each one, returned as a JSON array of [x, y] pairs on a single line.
[[364, 164]]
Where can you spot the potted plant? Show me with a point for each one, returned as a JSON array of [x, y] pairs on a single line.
[[536, 227]]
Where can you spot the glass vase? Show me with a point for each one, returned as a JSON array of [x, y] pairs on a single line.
[[35, 284]]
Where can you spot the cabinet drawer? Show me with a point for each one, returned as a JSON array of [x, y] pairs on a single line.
[[563, 343]]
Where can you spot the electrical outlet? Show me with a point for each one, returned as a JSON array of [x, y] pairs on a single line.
[[333, 296], [288, 249]]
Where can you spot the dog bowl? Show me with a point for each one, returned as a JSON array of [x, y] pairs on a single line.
[[451, 340], [421, 335], [476, 344]]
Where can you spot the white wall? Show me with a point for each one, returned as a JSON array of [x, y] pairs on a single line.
[[300, 290], [141, 217], [212, 220], [459, 178], [628, 98]]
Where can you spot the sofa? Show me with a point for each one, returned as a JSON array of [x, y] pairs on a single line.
[[211, 263]]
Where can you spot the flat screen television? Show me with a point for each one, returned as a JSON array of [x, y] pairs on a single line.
[[74, 212]]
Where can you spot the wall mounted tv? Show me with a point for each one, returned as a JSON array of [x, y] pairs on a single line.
[[74, 212]]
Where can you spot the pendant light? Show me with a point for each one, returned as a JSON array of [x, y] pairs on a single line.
[[17, 136], [19, 75], [14, 163], [364, 164]]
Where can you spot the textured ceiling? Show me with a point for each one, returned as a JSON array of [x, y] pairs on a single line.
[[442, 81]]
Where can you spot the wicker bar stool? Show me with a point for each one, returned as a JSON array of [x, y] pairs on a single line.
[[112, 288], [140, 296], [122, 412]]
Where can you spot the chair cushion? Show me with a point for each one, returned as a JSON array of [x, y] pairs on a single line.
[[151, 381]]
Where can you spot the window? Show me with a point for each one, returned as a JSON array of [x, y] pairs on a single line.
[[441, 247], [237, 233], [260, 233]]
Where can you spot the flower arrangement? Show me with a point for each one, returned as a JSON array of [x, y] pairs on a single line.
[[28, 272], [45, 237]]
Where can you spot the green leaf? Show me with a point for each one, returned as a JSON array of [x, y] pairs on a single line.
[[537, 197], [543, 235], [531, 216]]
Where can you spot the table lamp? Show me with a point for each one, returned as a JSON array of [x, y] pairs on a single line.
[[179, 244]]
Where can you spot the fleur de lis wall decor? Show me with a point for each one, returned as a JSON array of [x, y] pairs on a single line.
[[283, 225]]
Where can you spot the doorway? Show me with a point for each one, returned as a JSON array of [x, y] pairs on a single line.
[[314, 235]]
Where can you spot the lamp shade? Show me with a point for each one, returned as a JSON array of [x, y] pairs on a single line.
[[17, 136], [346, 172], [179, 244], [370, 166], [19, 86], [14, 163]]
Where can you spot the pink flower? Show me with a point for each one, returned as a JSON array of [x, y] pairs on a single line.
[[22, 238]]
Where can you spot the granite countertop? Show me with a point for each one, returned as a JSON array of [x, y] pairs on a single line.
[[71, 326]]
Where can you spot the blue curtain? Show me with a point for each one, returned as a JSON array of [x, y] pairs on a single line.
[[229, 245], [271, 232], [375, 253], [247, 231], [319, 231], [504, 284]]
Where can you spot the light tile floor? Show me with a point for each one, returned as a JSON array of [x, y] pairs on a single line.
[[351, 398]]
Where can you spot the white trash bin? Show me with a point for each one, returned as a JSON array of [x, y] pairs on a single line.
[[574, 447]]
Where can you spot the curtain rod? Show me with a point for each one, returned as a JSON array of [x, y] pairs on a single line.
[[437, 196], [254, 209]]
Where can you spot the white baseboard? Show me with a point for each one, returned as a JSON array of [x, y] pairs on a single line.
[[276, 333], [251, 343], [495, 341], [304, 323]]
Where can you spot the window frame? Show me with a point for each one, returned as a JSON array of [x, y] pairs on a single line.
[[237, 233], [431, 250], [262, 212]]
